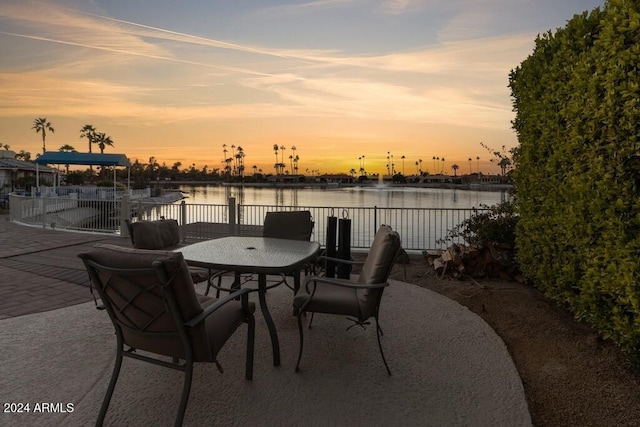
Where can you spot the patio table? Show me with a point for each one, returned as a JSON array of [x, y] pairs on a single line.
[[257, 255]]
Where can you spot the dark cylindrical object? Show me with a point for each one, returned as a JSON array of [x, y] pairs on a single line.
[[332, 226], [344, 247]]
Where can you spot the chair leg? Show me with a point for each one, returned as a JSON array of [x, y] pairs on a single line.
[[300, 329], [378, 333], [112, 386], [219, 285], [186, 390], [251, 326], [206, 291], [310, 319]]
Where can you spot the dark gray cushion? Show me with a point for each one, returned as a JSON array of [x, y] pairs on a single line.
[[223, 322], [294, 225], [161, 234], [208, 337], [330, 299], [361, 303], [382, 254], [145, 306]]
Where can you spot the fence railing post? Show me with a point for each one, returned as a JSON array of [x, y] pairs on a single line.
[[375, 220], [125, 214], [183, 219], [232, 216], [43, 209]]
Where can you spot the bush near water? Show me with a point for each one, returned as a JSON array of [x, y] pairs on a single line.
[[577, 100]]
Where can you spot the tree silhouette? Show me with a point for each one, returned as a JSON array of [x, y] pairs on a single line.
[[67, 149], [41, 125], [102, 140]]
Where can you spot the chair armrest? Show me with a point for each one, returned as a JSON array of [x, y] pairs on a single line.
[[219, 303], [339, 260], [343, 283]]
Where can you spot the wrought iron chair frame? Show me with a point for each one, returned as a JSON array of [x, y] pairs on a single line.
[[301, 311], [182, 326]]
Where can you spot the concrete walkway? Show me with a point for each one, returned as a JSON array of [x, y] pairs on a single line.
[[449, 367]]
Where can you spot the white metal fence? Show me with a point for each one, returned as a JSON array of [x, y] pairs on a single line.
[[419, 228], [92, 192]]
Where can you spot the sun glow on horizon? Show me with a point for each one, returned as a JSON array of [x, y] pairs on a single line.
[[176, 83]]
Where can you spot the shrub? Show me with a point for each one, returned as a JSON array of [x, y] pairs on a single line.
[[577, 103], [492, 225]]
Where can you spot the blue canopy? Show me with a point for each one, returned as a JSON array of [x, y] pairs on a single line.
[[73, 158]]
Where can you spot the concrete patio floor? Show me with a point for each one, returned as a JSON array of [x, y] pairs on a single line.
[[449, 367]]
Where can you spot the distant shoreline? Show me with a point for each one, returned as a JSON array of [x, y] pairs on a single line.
[[448, 186]]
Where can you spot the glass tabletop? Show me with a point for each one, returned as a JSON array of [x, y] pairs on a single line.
[[251, 254]]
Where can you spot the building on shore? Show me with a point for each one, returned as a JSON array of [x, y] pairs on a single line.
[[18, 175]]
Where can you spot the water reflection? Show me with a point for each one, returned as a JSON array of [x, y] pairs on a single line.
[[384, 197]]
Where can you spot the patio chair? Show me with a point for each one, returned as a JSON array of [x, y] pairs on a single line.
[[154, 308], [294, 225], [164, 234], [359, 299]]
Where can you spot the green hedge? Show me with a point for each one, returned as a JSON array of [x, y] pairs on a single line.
[[577, 103]]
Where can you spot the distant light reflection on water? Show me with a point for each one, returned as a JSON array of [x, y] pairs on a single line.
[[380, 196]]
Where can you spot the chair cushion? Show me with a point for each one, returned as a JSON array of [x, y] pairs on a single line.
[[161, 234], [223, 322], [181, 286], [382, 254], [330, 299], [362, 303], [294, 225]]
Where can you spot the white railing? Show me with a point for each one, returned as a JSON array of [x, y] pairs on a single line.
[[419, 228], [67, 212], [92, 192]]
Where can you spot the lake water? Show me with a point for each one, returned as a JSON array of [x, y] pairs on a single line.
[[422, 216], [367, 197]]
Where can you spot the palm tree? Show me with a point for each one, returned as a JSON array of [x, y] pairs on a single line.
[[102, 140], [282, 163], [42, 125], [470, 166], [277, 165], [240, 159], [234, 158], [67, 149], [388, 162], [504, 164], [455, 169], [6, 146], [402, 157], [89, 132]]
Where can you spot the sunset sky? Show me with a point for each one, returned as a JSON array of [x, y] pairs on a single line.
[[338, 79]]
